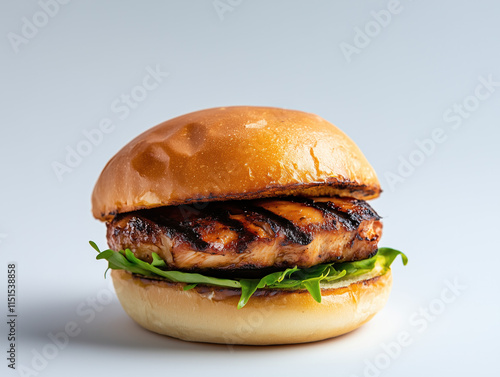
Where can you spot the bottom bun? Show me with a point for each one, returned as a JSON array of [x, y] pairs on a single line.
[[272, 316]]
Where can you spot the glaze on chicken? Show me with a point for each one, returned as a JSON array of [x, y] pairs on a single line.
[[260, 234]]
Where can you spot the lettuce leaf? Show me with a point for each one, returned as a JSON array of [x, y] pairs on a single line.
[[291, 278]]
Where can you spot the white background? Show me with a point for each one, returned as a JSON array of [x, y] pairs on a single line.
[[391, 92]]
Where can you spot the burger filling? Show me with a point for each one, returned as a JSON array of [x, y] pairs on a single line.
[[288, 243]]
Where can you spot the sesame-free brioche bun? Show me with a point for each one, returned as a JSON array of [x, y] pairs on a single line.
[[271, 316], [233, 153]]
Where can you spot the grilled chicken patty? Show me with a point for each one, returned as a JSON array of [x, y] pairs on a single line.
[[256, 234]]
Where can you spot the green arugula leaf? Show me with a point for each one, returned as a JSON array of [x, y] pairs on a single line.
[[248, 288], [291, 278], [389, 255], [312, 285], [126, 260], [188, 287], [157, 261], [333, 274]]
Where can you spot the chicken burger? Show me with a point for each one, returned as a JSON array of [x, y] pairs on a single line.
[[244, 225]]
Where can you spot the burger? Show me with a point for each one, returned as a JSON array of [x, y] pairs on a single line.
[[244, 225]]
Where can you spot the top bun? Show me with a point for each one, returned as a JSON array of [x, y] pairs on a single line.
[[239, 152]]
